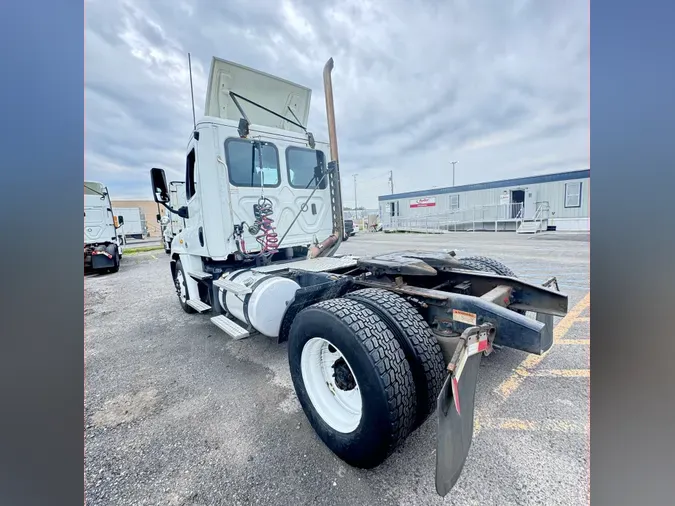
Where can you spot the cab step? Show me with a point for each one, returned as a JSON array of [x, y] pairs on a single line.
[[200, 275], [198, 305], [233, 287], [231, 328]]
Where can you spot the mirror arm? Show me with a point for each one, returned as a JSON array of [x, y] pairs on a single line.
[[182, 212]]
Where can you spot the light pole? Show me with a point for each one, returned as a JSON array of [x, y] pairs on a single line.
[[453, 173], [356, 212]]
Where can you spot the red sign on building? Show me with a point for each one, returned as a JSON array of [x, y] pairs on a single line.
[[423, 202]]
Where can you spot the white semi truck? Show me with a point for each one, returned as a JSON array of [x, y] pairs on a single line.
[[102, 246], [135, 225], [375, 344], [173, 224]]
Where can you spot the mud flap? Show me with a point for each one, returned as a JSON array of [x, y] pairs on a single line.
[[455, 406], [102, 259], [455, 430]]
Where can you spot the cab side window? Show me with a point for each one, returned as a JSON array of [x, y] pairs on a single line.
[[191, 175]]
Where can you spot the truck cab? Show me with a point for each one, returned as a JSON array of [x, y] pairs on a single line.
[[102, 249], [255, 183]]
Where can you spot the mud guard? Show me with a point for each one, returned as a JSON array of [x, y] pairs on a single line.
[[455, 430], [455, 406]]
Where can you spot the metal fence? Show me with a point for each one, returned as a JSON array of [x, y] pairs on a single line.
[[459, 219]]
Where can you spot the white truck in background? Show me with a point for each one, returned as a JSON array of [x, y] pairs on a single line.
[[102, 247], [135, 226], [173, 224]]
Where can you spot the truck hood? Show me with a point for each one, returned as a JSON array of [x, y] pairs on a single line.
[[269, 91]]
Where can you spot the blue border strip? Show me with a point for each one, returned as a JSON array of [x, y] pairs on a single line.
[[545, 178]]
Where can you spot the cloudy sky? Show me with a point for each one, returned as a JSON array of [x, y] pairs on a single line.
[[500, 86]]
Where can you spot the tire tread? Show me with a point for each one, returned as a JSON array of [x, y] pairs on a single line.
[[387, 358], [427, 364], [481, 263]]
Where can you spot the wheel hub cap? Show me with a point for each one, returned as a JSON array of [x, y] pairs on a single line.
[[331, 385]]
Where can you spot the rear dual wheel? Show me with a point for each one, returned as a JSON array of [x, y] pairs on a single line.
[[487, 264], [352, 380], [421, 348], [367, 372]]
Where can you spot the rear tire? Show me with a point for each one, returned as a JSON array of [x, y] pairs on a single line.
[[487, 264], [421, 348], [180, 282], [338, 347]]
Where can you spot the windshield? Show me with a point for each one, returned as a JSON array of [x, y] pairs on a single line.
[[91, 188]]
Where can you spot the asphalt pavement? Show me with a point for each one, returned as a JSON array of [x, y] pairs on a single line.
[[179, 414]]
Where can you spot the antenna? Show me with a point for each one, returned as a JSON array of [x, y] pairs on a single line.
[[192, 93]]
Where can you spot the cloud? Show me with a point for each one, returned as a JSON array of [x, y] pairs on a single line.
[[502, 87]]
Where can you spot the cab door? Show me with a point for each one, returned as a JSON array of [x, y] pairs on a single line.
[[194, 236]]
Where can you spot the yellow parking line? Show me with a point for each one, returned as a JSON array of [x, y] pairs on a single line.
[[584, 319], [518, 425], [563, 373], [584, 342], [509, 385]]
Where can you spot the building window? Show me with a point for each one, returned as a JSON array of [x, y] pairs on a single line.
[[305, 168], [243, 163], [573, 194], [191, 175], [454, 202]]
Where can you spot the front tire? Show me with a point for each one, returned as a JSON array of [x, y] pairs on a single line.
[[352, 380], [180, 282]]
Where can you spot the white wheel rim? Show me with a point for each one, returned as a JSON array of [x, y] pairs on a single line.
[[337, 403], [181, 286]]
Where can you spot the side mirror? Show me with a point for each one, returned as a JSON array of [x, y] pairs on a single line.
[[118, 221], [160, 189], [159, 218]]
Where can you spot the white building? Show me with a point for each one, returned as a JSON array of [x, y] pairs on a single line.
[[527, 205]]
